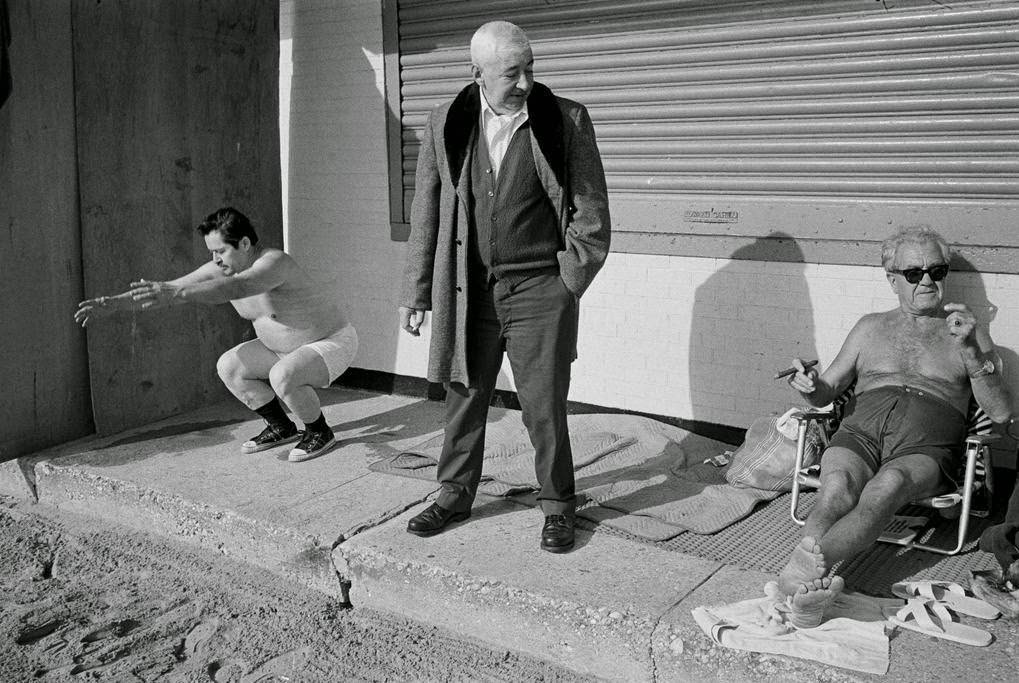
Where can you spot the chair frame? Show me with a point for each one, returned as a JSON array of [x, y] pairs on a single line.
[[978, 456]]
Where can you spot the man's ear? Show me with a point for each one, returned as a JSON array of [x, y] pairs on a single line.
[[891, 279], [476, 72], [245, 243]]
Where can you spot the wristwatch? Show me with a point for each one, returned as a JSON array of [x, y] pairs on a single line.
[[988, 368]]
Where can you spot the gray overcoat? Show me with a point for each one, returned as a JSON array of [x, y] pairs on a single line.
[[570, 169]]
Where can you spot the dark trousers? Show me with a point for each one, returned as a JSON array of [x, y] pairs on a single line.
[[535, 322]]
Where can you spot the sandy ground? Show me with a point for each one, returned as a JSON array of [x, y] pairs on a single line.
[[83, 601]]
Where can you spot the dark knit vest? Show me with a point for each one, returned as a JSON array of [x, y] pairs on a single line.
[[514, 230]]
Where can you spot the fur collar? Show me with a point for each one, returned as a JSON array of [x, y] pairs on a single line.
[[543, 115]]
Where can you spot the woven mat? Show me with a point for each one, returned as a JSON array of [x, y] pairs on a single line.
[[635, 475], [644, 480], [763, 540]]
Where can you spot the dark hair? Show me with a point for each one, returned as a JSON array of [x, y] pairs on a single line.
[[232, 225]]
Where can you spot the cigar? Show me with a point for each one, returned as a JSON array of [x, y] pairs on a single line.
[[793, 371]]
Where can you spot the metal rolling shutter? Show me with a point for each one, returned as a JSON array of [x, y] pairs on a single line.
[[722, 122]]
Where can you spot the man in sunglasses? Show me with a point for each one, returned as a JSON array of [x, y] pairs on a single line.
[[915, 368]]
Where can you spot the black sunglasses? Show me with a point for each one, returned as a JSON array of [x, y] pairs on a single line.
[[914, 275]]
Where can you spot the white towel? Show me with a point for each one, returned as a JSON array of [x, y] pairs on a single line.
[[853, 638]]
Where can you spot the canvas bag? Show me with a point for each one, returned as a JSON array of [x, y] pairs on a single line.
[[768, 454]]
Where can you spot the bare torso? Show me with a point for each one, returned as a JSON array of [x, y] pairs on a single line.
[[898, 349], [296, 312]]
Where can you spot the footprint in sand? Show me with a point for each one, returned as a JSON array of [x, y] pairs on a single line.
[[226, 670], [116, 629], [280, 667], [199, 635], [36, 632]]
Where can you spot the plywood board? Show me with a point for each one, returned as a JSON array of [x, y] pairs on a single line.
[[177, 115], [45, 396]]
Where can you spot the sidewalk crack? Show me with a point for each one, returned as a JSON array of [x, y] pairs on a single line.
[[658, 620]]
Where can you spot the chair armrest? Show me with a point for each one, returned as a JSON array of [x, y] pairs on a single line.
[[813, 415], [982, 439]]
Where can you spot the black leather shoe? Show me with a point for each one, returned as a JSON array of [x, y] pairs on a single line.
[[557, 534], [434, 519]]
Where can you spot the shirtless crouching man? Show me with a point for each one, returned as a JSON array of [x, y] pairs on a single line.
[[303, 339], [915, 369]]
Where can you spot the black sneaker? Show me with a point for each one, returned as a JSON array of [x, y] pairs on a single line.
[[270, 437], [312, 445]]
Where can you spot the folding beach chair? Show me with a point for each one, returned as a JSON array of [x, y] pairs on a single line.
[[975, 476]]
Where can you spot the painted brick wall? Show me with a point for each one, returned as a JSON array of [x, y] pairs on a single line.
[[335, 156], [689, 337]]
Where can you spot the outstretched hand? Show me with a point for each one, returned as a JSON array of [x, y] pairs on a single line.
[[151, 294], [90, 309], [101, 306], [961, 323]]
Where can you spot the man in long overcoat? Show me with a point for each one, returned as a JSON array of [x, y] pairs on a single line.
[[509, 226]]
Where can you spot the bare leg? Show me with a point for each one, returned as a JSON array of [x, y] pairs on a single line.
[[843, 476], [812, 598], [895, 484], [245, 369], [294, 379]]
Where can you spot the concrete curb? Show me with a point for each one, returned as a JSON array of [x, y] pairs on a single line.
[[17, 479], [285, 551], [487, 579]]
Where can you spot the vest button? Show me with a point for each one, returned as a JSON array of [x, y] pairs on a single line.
[[458, 243], [459, 289], [491, 194], [488, 170]]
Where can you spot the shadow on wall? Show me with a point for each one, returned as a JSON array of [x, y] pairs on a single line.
[[750, 318], [968, 288]]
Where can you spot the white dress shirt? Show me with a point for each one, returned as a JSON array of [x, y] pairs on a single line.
[[499, 130]]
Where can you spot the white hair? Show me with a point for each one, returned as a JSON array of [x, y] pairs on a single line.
[[496, 36], [916, 234]]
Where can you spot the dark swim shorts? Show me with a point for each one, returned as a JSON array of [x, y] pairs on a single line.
[[893, 421]]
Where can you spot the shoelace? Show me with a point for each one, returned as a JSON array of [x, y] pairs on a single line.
[[272, 433], [312, 441]]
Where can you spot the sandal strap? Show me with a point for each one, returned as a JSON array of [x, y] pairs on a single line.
[[920, 611], [934, 590]]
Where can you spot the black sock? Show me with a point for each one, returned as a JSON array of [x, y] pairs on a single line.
[[273, 413], [319, 426]]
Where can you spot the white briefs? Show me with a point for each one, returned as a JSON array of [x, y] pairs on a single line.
[[337, 350]]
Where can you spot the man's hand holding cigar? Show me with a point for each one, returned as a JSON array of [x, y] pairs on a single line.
[[802, 375]]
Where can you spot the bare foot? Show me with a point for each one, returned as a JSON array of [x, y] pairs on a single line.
[[812, 598], [806, 564]]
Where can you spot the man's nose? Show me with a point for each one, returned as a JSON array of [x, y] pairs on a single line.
[[524, 82]]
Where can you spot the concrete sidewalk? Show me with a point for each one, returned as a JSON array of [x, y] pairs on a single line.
[[613, 608]]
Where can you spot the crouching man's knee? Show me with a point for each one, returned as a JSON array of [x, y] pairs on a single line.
[[281, 379], [228, 367]]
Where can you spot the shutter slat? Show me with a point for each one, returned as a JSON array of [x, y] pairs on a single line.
[[734, 98]]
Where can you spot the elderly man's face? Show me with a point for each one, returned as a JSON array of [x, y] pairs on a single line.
[[925, 296], [506, 77]]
